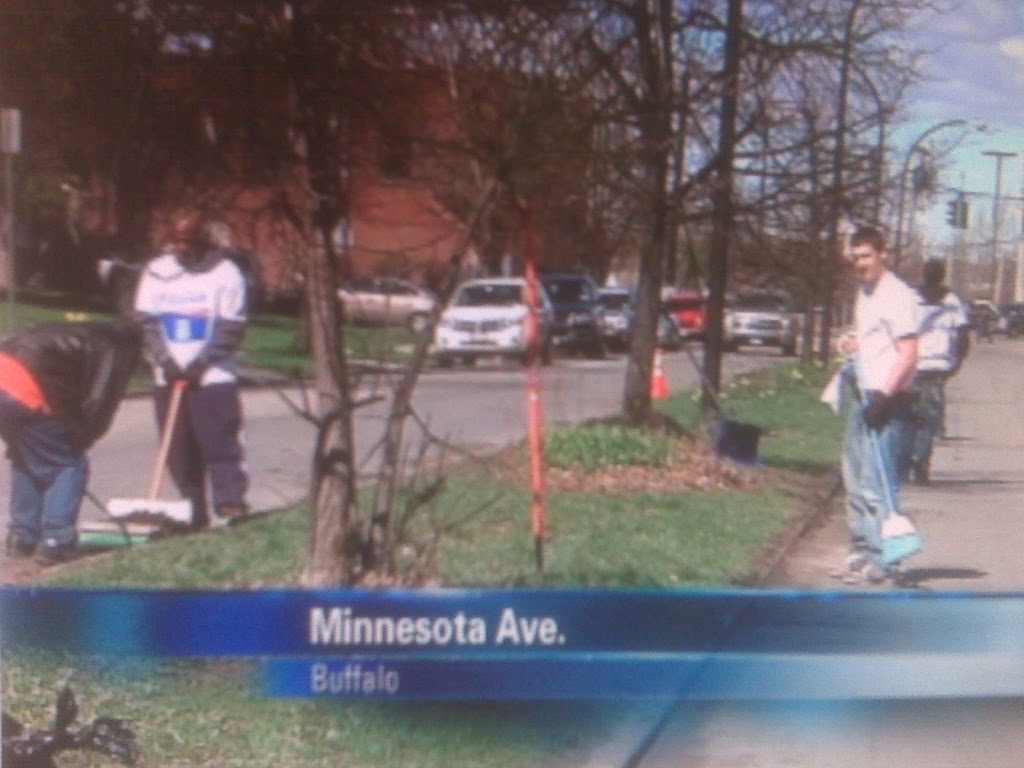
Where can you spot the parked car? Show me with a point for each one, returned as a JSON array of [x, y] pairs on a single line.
[[387, 301], [987, 320], [761, 318], [489, 316], [616, 316], [578, 324], [617, 321], [689, 310], [1013, 317]]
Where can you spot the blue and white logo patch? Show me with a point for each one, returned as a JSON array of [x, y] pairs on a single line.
[[184, 328]]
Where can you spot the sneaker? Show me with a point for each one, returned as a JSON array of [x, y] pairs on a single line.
[[18, 548], [871, 574], [54, 554], [877, 573], [854, 563], [231, 513]]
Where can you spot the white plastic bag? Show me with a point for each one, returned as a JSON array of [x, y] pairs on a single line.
[[830, 396]]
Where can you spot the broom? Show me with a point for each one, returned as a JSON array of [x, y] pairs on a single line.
[[151, 509]]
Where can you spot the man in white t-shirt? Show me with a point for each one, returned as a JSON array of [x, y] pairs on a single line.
[[191, 301], [942, 347], [884, 347]]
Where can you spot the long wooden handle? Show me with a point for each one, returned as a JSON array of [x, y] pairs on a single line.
[[177, 390]]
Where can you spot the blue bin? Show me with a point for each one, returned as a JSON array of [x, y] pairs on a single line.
[[737, 441]]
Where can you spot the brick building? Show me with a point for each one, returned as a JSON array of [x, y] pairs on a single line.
[[397, 223]]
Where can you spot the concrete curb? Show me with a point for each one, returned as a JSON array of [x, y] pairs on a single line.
[[819, 509]]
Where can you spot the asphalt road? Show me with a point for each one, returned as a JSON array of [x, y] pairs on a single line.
[[481, 408]]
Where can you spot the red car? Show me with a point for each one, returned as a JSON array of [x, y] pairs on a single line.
[[690, 311]]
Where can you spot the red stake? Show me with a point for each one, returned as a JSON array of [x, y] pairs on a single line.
[[534, 402]]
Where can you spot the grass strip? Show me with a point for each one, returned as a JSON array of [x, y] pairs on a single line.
[[203, 714]]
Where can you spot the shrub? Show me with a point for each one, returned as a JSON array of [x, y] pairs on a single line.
[[594, 446]]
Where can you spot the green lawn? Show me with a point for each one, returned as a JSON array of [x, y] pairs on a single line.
[[203, 714]]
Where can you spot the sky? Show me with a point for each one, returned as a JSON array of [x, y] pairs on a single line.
[[976, 73]]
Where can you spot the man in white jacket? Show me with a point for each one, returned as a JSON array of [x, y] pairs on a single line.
[[191, 301]]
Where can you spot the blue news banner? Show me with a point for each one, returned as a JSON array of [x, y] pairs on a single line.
[[553, 644]]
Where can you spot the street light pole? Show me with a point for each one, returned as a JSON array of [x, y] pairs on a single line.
[[898, 246], [997, 281], [10, 145]]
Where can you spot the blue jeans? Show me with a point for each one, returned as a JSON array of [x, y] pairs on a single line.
[[873, 460], [48, 475]]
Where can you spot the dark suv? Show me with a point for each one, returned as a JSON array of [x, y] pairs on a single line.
[[577, 322]]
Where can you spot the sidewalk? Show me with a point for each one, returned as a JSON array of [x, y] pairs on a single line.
[[970, 512]]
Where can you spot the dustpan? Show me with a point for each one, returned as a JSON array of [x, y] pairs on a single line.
[[104, 534], [121, 531]]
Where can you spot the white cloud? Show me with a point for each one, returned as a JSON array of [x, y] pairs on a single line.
[[1013, 46], [977, 20]]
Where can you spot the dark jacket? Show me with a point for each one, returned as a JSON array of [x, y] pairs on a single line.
[[82, 368]]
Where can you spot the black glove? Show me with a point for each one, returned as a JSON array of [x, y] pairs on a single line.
[[877, 409], [194, 372]]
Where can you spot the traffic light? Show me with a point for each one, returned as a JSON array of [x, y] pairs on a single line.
[[956, 212]]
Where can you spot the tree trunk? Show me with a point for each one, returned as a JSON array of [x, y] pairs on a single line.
[[838, 197], [655, 41], [723, 222], [335, 540]]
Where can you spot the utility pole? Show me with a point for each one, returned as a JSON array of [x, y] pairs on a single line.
[[10, 145], [997, 282], [1018, 275]]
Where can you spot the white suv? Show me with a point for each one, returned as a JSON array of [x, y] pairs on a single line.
[[489, 317], [762, 318]]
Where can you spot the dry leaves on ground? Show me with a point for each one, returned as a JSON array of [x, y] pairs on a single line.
[[693, 468]]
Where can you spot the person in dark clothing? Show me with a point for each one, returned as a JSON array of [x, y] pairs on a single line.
[[944, 341], [60, 386]]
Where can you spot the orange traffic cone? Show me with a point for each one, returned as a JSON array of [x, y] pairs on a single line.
[[659, 381]]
